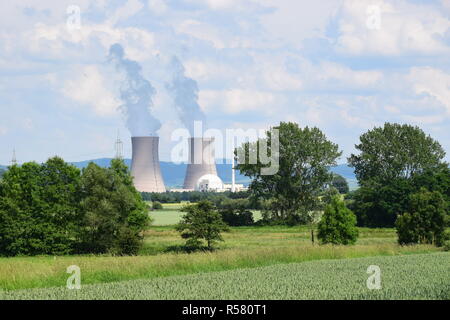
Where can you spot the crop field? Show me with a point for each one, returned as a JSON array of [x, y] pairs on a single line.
[[420, 276], [247, 248], [266, 252]]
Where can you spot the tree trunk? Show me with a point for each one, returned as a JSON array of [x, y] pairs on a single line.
[[312, 235]]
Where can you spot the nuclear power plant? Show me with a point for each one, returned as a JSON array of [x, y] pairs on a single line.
[[145, 167], [201, 162], [201, 171]]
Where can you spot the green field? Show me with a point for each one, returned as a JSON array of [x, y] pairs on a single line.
[[171, 214], [267, 252], [402, 277]]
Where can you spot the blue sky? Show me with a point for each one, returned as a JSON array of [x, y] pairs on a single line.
[[344, 66]]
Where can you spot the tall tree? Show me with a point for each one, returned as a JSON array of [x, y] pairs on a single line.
[[39, 208], [394, 151], [305, 155], [394, 162], [114, 213]]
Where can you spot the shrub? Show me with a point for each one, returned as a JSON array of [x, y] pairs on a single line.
[[201, 222], [156, 205], [235, 212], [128, 242], [338, 224], [426, 220]]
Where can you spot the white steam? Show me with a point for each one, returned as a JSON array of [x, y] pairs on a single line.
[[136, 94], [184, 92]]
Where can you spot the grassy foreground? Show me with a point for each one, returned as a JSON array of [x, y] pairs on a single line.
[[402, 277], [39, 272]]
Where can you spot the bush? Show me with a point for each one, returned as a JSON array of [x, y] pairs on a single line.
[[128, 242], [156, 205], [201, 222], [235, 212], [425, 221], [338, 224]]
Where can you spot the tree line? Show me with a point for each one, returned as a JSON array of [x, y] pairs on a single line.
[[54, 208], [403, 178]]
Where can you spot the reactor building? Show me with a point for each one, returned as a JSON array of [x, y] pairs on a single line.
[[202, 166]]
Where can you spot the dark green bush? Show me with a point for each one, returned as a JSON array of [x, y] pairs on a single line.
[[338, 224], [156, 205], [425, 221]]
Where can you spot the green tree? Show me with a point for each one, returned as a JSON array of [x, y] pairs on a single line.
[[201, 222], [305, 156], [394, 151], [425, 222], [394, 162], [338, 224], [340, 183], [114, 213], [39, 208]]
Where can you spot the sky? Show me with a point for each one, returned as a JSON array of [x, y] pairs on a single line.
[[344, 66]]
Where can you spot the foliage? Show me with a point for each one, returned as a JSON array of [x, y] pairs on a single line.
[[156, 205], [115, 214], [304, 155], [425, 221], [39, 208], [338, 224], [379, 205], [235, 212], [341, 279], [193, 196], [201, 222], [340, 183], [394, 152], [52, 208]]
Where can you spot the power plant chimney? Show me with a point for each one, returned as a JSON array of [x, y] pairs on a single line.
[[145, 166], [201, 161]]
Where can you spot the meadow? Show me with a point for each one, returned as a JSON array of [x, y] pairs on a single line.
[[402, 277], [162, 259]]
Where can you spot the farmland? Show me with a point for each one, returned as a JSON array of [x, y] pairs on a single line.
[[402, 278], [258, 251]]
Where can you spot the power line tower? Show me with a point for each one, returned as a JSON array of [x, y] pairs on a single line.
[[14, 159], [119, 147]]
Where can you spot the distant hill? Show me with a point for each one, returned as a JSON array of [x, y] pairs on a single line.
[[173, 174]]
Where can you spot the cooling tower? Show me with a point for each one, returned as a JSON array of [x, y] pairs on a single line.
[[145, 166], [201, 161]]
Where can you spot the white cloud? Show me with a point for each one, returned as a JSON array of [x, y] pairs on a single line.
[[403, 28], [238, 100], [3, 130], [157, 6], [433, 82], [90, 88]]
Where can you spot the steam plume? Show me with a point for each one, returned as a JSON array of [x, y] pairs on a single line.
[[184, 91], [136, 94]]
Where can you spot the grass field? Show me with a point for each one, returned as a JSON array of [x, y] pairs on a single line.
[[171, 214], [243, 248], [402, 277], [161, 259]]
